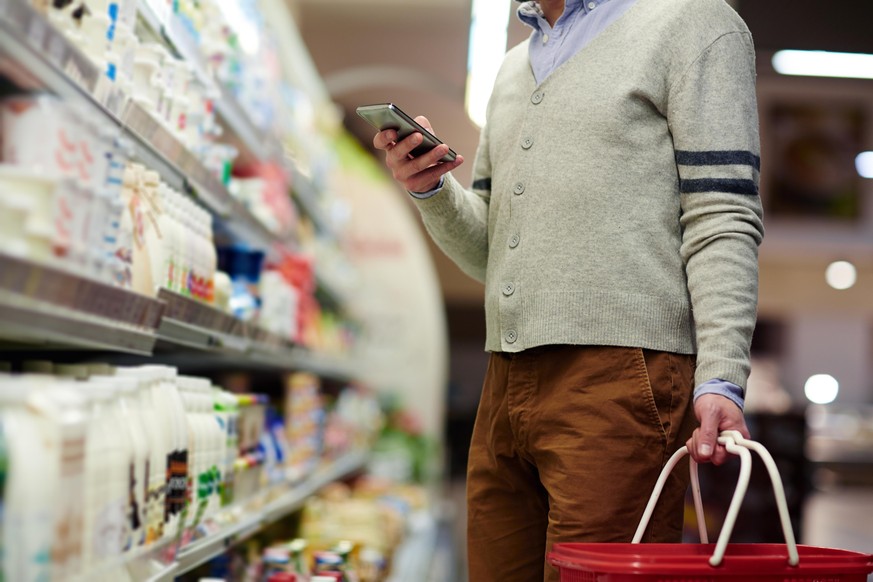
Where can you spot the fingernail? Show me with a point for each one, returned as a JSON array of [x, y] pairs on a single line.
[[705, 450]]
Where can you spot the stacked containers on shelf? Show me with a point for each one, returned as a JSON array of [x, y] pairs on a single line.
[[170, 238], [43, 437], [227, 416], [304, 422], [249, 464], [96, 467], [171, 414], [105, 33], [108, 460], [64, 204], [129, 411], [68, 191], [206, 438], [160, 447], [30, 487]]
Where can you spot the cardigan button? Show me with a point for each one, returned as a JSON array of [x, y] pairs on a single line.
[[518, 188], [508, 289], [514, 240], [510, 336], [537, 97], [527, 143]]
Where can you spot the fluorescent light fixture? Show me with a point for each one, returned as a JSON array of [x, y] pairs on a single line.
[[864, 164], [488, 31], [824, 64]]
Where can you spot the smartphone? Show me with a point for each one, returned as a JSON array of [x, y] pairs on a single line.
[[384, 116]]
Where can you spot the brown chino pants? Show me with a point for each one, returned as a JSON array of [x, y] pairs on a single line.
[[567, 446]]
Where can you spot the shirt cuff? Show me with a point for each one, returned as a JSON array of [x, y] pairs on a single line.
[[723, 388], [429, 193]]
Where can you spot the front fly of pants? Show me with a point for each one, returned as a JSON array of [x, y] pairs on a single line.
[[568, 444]]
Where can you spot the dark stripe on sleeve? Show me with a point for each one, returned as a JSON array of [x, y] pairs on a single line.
[[718, 158], [482, 184], [747, 187]]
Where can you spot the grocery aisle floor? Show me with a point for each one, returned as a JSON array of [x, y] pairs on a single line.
[[836, 518], [840, 518]]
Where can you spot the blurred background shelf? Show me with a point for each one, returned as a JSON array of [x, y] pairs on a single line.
[[40, 57], [274, 503]]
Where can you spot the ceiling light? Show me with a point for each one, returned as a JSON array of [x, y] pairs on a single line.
[[488, 32], [824, 64], [841, 275], [864, 164], [821, 388]]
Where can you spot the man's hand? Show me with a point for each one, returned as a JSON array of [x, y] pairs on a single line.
[[420, 174], [715, 413]]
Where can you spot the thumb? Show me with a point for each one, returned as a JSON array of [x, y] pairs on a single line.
[[708, 433]]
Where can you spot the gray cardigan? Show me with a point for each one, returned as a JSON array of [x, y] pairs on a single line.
[[617, 202]]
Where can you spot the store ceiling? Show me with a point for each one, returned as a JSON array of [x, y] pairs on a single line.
[[414, 53]]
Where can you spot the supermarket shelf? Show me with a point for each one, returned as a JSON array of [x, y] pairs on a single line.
[[191, 323], [285, 501], [49, 307], [194, 324], [306, 195], [26, 326], [226, 341], [259, 143], [321, 365], [258, 358], [42, 58]]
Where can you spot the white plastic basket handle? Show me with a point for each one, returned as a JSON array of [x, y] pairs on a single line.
[[736, 444]]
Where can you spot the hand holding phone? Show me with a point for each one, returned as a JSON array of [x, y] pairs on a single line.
[[384, 116]]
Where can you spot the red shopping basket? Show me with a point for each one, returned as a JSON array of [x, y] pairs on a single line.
[[705, 562]]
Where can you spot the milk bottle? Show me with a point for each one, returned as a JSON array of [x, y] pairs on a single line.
[[129, 413], [106, 468], [170, 414], [160, 440], [31, 487]]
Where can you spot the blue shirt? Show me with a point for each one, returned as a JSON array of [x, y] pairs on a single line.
[[581, 22]]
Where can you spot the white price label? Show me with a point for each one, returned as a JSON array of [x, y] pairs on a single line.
[[36, 32], [57, 50], [114, 101], [73, 72]]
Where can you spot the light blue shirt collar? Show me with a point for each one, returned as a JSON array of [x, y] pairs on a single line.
[[578, 25], [531, 14]]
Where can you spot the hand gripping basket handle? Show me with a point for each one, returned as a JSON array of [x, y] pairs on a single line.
[[736, 444]]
